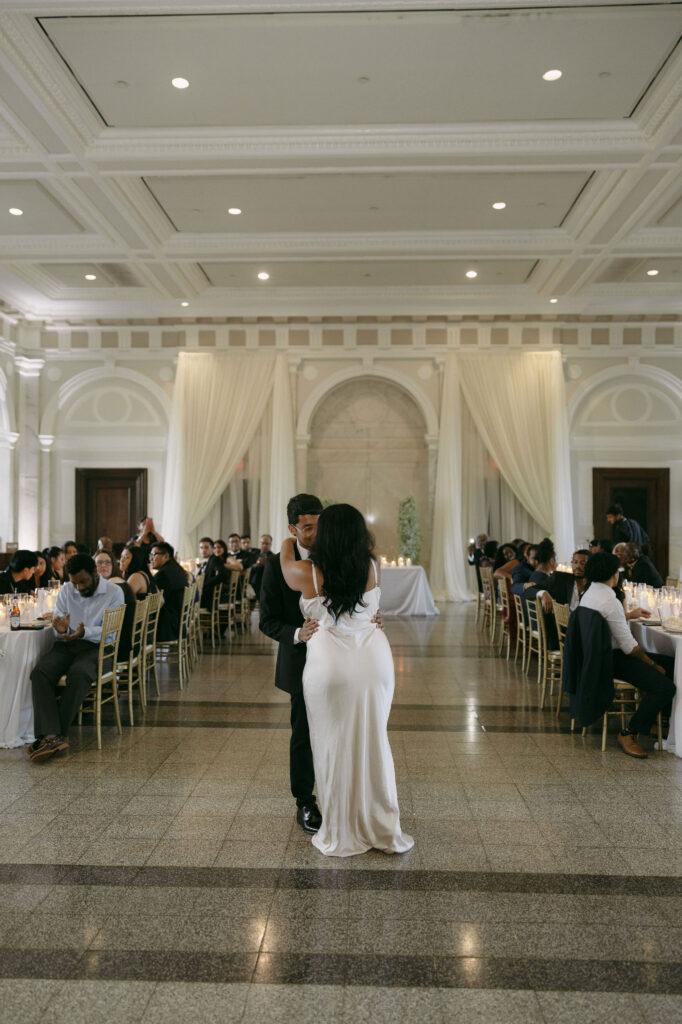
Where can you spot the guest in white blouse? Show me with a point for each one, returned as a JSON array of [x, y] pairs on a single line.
[[653, 678]]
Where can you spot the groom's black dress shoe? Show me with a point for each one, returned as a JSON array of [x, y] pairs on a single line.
[[309, 818]]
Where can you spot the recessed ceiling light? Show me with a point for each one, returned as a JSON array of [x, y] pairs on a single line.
[[472, 273], [263, 276], [184, 303], [234, 210], [499, 206], [552, 76], [553, 300], [16, 212], [363, 79], [652, 273], [91, 277], [180, 83]]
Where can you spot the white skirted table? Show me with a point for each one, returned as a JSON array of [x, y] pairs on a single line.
[[19, 653], [405, 591], [655, 640]]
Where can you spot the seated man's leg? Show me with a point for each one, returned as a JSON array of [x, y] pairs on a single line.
[[44, 679], [657, 689], [79, 678]]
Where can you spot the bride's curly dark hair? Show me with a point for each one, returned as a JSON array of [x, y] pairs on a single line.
[[342, 551]]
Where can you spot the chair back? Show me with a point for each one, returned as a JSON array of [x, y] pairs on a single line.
[[139, 626], [153, 603], [188, 599], [112, 624], [533, 615], [200, 580], [541, 624], [487, 583], [562, 613]]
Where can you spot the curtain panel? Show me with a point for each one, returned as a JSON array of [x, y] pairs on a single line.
[[218, 402]]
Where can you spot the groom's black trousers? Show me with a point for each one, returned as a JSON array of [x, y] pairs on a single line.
[[301, 770]]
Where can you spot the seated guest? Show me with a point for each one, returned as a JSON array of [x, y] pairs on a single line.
[[77, 625], [104, 563], [69, 548], [19, 577], [228, 560], [653, 678], [213, 569], [170, 578], [546, 556], [639, 568], [55, 563], [527, 564], [246, 554], [600, 546], [105, 544], [264, 554], [40, 571], [475, 552], [135, 573], [504, 554], [147, 536], [487, 559], [233, 545]]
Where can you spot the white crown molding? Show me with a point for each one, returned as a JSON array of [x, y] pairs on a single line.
[[410, 244], [659, 113], [53, 87], [655, 241], [60, 248], [140, 151], [47, 8]]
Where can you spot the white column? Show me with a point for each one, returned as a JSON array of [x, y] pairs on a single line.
[[302, 442], [8, 530], [46, 442], [28, 450]]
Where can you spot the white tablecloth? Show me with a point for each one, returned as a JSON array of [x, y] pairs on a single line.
[[406, 591], [655, 640], [19, 653]]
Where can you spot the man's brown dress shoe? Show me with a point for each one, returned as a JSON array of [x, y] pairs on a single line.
[[630, 745]]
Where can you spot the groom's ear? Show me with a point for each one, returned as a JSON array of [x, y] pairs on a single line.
[[292, 530]]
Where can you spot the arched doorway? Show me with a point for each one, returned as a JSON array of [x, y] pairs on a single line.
[[367, 447]]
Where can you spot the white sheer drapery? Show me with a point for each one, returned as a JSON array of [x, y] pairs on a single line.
[[218, 403], [448, 565], [520, 413]]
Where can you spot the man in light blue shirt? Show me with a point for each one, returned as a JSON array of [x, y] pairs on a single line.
[[77, 625]]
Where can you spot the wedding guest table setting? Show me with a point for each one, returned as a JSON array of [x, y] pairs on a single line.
[[20, 650], [405, 589]]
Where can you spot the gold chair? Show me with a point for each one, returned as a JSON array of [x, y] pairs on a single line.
[[521, 630], [198, 634], [177, 651], [533, 637], [551, 661], [153, 603], [112, 623], [479, 595], [562, 613], [626, 700], [131, 672], [489, 601], [228, 610], [209, 618], [505, 615]]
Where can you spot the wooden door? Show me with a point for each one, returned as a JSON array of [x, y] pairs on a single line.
[[109, 503], [645, 496]]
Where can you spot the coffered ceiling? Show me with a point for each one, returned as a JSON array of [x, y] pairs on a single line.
[[364, 143]]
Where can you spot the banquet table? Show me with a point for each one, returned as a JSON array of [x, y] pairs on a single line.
[[405, 591], [19, 653], [655, 640]]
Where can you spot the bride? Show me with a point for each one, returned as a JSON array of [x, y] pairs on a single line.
[[348, 684]]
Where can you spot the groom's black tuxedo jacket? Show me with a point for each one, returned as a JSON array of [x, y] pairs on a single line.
[[280, 617]]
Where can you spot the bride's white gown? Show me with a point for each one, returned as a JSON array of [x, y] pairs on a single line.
[[348, 684]]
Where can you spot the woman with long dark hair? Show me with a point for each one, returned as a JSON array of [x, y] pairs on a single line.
[[135, 572], [348, 684]]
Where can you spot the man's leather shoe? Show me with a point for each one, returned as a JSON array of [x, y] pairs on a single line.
[[309, 818], [630, 745]]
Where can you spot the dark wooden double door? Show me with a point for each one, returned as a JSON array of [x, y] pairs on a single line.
[[109, 503], [645, 496]]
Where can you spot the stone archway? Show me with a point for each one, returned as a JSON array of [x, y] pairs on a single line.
[[368, 447]]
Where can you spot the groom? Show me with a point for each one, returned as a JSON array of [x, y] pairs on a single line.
[[282, 620]]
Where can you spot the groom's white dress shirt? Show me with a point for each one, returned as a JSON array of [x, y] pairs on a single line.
[[305, 555]]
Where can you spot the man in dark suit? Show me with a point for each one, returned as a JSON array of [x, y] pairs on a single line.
[[639, 568], [282, 620], [171, 580], [264, 554], [564, 588], [625, 529], [213, 570]]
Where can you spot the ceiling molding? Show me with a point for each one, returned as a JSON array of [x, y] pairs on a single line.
[[47, 8]]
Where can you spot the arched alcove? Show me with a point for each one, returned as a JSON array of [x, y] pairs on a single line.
[[367, 447]]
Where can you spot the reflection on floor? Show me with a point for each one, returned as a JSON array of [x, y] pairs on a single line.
[[164, 877]]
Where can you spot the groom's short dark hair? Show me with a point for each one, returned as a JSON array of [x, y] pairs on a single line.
[[303, 505]]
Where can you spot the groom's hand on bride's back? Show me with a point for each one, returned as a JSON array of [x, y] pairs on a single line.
[[307, 629], [378, 621]]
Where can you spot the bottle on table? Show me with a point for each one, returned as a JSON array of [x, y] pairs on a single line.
[[14, 615]]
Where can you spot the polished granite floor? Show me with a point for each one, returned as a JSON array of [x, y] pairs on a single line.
[[164, 877]]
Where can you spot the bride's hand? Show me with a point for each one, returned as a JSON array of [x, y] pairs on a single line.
[[378, 621], [308, 628]]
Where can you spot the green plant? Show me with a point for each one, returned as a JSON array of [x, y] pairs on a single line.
[[409, 534]]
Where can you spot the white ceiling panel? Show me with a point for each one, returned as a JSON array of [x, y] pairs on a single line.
[[369, 273], [669, 271], [316, 69], [72, 275], [672, 218], [42, 213], [368, 202]]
